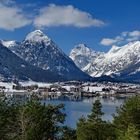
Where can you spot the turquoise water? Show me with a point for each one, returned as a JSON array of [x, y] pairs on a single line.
[[75, 110]]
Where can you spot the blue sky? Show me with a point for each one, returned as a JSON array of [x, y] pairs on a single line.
[[97, 23]]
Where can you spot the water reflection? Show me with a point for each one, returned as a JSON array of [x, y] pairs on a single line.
[[75, 110]]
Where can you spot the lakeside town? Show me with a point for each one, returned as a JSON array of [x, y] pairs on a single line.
[[71, 91]]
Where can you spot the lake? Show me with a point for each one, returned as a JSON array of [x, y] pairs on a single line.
[[76, 109]]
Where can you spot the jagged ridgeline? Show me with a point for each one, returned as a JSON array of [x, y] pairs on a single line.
[[37, 58], [121, 63]]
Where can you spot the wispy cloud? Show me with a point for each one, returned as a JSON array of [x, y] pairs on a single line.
[[124, 37], [134, 34], [12, 17], [54, 15], [108, 41]]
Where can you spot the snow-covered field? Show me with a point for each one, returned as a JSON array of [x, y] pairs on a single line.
[[92, 89], [9, 86], [40, 84]]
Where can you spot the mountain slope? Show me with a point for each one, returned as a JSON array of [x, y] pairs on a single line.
[[13, 66], [39, 50], [118, 60], [82, 55], [129, 74]]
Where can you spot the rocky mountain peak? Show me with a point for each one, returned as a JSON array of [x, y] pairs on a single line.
[[37, 36], [81, 48], [115, 60], [39, 50], [82, 55]]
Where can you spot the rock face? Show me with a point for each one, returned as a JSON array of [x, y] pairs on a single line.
[[121, 62], [83, 56], [39, 50], [11, 66]]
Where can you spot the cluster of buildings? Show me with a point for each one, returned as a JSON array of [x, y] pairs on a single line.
[[68, 90]]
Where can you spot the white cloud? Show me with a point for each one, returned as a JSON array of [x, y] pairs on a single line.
[[124, 37], [111, 41], [12, 17], [107, 41], [134, 33], [54, 15]]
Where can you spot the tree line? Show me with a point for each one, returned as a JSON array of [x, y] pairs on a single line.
[[36, 121]]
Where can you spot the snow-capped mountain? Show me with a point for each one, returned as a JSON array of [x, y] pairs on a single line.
[[39, 50], [116, 61], [8, 43], [39, 58], [13, 66], [82, 55]]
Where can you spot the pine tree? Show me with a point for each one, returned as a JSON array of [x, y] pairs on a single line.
[[130, 134], [128, 113], [82, 130], [96, 113], [41, 122], [68, 133], [30, 121], [94, 128], [8, 119]]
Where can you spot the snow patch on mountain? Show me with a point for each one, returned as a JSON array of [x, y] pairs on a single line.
[[115, 60], [7, 43], [39, 50], [83, 56], [37, 36]]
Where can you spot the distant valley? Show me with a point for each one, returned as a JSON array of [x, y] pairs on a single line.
[[38, 58]]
